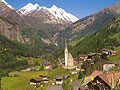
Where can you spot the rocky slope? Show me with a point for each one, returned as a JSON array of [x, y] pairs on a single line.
[[93, 22], [10, 30], [16, 26], [105, 37]]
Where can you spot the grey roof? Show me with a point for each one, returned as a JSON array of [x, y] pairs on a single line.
[[45, 62], [77, 85], [62, 76], [83, 54], [54, 87], [66, 76], [91, 54], [59, 77], [38, 79]]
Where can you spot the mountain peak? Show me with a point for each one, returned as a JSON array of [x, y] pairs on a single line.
[[29, 5], [36, 5], [54, 7], [6, 4]]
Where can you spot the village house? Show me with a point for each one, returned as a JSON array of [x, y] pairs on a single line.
[[78, 67], [48, 66], [43, 77], [77, 86], [109, 52], [113, 52], [83, 57], [31, 68], [59, 78], [106, 80], [45, 81], [35, 81], [107, 67], [91, 56], [28, 69], [54, 87]]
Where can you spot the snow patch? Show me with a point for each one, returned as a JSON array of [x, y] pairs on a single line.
[[58, 13]]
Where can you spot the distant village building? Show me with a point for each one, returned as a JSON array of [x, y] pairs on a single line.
[[35, 81], [83, 57], [48, 66], [43, 77], [109, 52], [59, 78], [69, 61], [77, 86], [54, 87], [28, 69], [107, 67]]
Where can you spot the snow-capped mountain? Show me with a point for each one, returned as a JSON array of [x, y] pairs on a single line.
[[6, 4], [56, 13]]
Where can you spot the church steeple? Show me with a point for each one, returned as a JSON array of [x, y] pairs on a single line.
[[65, 43], [68, 57], [66, 53]]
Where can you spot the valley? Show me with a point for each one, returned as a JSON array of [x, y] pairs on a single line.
[[42, 48]]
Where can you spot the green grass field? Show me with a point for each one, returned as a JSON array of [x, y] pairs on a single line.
[[21, 81]]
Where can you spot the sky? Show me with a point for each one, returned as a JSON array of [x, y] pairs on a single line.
[[79, 8]]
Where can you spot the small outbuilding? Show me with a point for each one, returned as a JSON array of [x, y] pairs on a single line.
[[54, 87]]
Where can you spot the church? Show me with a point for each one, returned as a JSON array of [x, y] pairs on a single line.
[[69, 61]]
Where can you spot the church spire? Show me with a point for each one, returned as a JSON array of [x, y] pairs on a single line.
[[65, 43]]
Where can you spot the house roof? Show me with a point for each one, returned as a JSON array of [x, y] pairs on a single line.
[[97, 72], [104, 77], [62, 76], [83, 55], [54, 87], [77, 85], [91, 54], [66, 76], [107, 77], [36, 80], [59, 77], [43, 75]]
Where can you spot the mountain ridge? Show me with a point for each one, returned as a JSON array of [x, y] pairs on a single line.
[[54, 10], [93, 22]]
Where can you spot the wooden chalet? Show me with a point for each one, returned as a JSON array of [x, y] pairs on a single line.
[[43, 77], [35, 81], [105, 80], [59, 78]]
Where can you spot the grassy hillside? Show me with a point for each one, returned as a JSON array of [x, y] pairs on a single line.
[[21, 81], [105, 37]]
